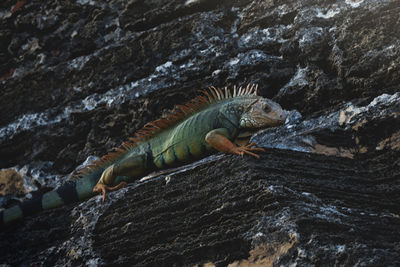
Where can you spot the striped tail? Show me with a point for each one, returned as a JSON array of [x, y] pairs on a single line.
[[70, 192]]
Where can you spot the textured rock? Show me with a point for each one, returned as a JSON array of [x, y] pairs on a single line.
[[11, 182], [79, 77]]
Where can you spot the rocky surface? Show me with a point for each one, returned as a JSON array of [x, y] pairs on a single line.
[[79, 77]]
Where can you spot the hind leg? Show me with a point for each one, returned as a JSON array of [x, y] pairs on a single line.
[[129, 167]]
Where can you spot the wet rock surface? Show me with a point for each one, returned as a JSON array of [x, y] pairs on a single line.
[[79, 77]]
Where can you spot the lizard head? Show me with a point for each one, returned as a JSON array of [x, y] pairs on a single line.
[[262, 113]]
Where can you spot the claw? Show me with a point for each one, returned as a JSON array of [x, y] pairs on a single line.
[[103, 189], [248, 149]]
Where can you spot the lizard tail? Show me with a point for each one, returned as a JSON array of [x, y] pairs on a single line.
[[72, 191]]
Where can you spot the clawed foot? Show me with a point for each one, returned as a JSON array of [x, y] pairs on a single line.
[[103, 189], [248, 149]]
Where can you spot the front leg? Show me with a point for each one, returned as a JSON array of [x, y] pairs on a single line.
[[218, 139]]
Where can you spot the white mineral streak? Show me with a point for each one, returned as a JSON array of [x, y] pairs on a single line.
[[233, 61], [329, 14], [79, 62], [354, 3], [190, 2], [164, 67], [169, 173], [31, 121], [113, 97], [86, 2], [5, 14], [257, 37], [308, 36], [299, 79]]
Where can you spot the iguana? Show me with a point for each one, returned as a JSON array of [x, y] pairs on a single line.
[[210, 122]]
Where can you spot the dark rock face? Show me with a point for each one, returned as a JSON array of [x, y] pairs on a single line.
[[285, 203], [79, 77]]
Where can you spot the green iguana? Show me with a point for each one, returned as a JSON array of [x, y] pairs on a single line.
[[209, 122]]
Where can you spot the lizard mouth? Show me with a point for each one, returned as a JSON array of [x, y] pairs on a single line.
[[281, 118]]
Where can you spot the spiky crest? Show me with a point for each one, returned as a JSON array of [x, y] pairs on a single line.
[[179, 113]]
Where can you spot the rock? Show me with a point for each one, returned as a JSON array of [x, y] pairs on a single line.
[[78, 78], [11, 182], [345, 133]]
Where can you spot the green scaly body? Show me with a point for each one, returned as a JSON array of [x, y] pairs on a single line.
[[183, 142]]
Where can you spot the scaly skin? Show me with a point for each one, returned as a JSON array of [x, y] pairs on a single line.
[[201, 132]]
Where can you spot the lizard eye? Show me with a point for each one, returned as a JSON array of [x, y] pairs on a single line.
[[267, 108]]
